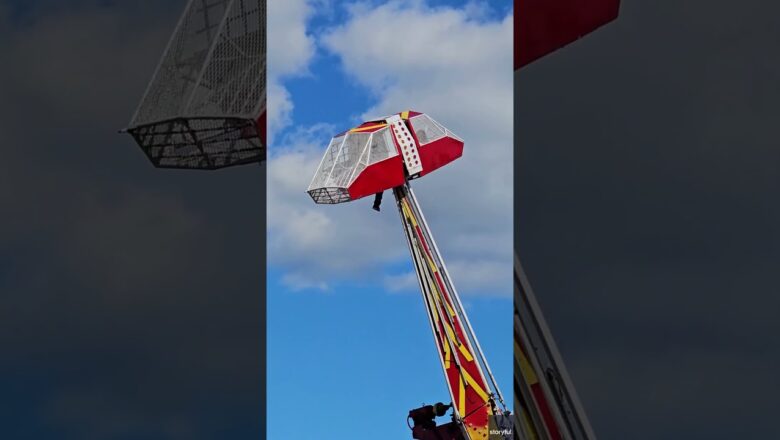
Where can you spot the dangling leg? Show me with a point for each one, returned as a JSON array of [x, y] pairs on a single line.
[[377, 200]]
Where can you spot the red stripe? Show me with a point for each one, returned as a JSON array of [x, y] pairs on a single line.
[[549, 420]]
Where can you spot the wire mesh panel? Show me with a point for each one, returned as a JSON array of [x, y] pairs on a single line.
[[326, 165], [346, 157], [426, 130], [204, 104], [382, 146]]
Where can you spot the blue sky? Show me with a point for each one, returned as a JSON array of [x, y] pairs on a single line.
[[349, 347]]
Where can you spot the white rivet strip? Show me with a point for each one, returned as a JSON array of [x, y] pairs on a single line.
[[408, 147]]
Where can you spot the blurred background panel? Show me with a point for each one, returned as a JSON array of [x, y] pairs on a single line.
[[646, 216], [131, 298]]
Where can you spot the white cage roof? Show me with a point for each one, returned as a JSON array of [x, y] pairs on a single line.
[[201, 108], [347, 155]]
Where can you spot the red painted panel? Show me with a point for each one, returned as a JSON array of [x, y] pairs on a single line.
[[439, 153], [378, 177], [542, 26]]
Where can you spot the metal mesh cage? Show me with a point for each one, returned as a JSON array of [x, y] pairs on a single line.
[[330, 196], [346, 157], [203, 106], [323, 172], [426, 129], [446, 130], [382, 146]]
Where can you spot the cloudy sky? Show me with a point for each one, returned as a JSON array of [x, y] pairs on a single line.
[[346, 323], [647, 215]]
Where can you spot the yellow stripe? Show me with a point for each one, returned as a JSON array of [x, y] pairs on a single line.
[[439, 299], [431, 263], [405, 115], [462, 399], [473, 383], [447, 356], [366, 128], [434, 269], [408, 212], [446, 346], [461, 347], [449, 308], [525, 366], [433, 304]]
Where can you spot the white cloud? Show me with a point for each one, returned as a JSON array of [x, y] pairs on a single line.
[[485, 278], [455, 67], [297, 282], [404, 282], [290, 49]]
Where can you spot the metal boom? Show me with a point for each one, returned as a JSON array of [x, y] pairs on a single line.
[[475, 396], [548, 407]]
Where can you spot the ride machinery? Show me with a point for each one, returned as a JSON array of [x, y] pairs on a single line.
[[205, 105], [386, 154], [546, 403]]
